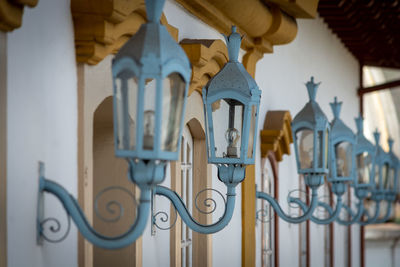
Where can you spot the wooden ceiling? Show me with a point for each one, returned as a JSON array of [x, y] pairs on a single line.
[[370, 29]]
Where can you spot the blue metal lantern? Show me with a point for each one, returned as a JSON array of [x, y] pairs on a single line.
[[231, 103], [385, 179], [341, 151], [311, 129], [365, 153], [363, 182], [151, 74]]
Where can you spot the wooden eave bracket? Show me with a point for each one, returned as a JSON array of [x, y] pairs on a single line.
[[276, 136], [11, 13], [207, 58], [103, 26]]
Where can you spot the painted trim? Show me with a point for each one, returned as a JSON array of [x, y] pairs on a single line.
[[202, 178], [275, 171], [207, 57], [276, 136], [249, 188], [3, 149]]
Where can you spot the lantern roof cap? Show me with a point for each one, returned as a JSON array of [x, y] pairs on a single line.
[[359, 124], [151, 48], [393, 157], [311, 112], [233, 76], [390, 143]]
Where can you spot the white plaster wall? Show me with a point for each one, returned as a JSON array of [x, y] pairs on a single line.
[[384, 253], [42, 126]]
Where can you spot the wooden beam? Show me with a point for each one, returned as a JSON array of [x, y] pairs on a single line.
[[379, 87]]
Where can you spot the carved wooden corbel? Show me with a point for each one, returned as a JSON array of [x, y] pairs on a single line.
[[11, 12], [103, 26], [207, 58], [276, 136]]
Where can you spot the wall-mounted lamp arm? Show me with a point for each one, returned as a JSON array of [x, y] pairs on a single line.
[[189, 220], [73, 210], [332, 215], [353, 217], [275, 205], [374, 218]]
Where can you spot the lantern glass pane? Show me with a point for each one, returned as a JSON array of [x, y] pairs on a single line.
[[322, 149], [386, 172], [227, 116], [207, 131], [390, 180], [326, 148], [305, 144], [343, 152], [173, 98], [377, 176], [149, 115], [250, 146], [364, 167], [126, 94]]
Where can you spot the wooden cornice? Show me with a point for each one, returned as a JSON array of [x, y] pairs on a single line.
[[11, 12], [261, 26], [369, 29], [103, 26], [297, 8], [276, 136], [207, 58]]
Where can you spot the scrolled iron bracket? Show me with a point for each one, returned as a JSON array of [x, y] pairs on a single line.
[[185, 215], [163, 216], [308, 211], [354, 217], [73, 211], [332, 214]]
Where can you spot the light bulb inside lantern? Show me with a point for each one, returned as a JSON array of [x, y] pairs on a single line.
[[148, 135], [232, 137]]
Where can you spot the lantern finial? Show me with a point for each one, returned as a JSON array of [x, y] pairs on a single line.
[[154, 10], [377, 136], [336, 107], [312, 88], [233, 42], [360, 124], [390, 143]]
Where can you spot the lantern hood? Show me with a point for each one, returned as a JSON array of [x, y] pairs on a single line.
[[381, 155], [339, 130], [362, 143], [152, 49], [311, 115], [233, 77]]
